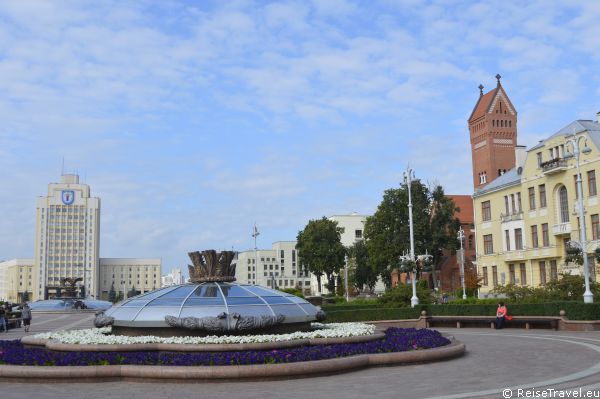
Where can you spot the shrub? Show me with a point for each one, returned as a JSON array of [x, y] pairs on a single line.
[[574, 310], [402, 293], [293, 291]]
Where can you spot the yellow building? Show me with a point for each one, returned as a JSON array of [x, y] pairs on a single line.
[[525, 217], [127, 274], [16, 278]]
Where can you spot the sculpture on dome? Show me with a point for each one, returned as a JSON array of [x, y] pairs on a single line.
[[211, 265]]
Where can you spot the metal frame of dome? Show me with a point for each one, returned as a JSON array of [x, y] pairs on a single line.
[[210, 307], [211, 304]]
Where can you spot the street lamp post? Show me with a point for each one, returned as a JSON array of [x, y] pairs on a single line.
[[346, 277], [408, 176], [255, 234], [575, 142], [461, 237]]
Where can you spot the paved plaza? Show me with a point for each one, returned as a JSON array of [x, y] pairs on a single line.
[[495, 360]]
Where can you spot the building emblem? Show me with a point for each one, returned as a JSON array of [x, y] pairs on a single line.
[[68, 196]]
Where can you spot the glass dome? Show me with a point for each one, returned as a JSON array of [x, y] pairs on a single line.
[[211, 301]]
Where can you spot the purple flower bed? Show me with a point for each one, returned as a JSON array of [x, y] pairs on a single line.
[[396, 340]]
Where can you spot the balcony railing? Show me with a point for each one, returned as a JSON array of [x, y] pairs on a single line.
[[508, 217], [554, 166], [561, 228]]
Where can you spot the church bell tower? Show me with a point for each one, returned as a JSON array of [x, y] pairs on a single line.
[[493, 133]]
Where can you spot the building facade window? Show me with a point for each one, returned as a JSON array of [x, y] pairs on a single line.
[[542, 190], [507, 239], [485, 275], [486, 211], [545, 235], [523, 274], [591, 182], [542, 272], [531, 198], [534, 236], [511, 274], [495, 276], [518, 239], [488, 245], [506, 207], [553, 270], [358, 234], [563, 204], [539, 158], [519, 207], [595, 227]]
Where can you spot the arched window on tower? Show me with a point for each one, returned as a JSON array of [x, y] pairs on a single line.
[[493, 123], [509, 123]]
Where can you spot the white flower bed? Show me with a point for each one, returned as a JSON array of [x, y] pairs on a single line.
[[101, 336]]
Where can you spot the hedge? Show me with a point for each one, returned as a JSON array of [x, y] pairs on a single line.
[[574, 310]]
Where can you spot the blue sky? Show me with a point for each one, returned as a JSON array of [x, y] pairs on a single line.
[[192, 120]]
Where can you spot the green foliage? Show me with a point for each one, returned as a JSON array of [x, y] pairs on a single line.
[[388, 231], [132, 292], [112, 294], [567, 287], [362, 274], [294, 291], [574, 311], [372, 313], [339, 288], [444, 225], [401, 295], [335, 299], [574, 255], [320, 250]]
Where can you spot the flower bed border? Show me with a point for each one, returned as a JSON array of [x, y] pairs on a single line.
[[59, 346], [145, 373]]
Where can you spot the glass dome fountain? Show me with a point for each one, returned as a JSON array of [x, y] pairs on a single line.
[[211, 304]]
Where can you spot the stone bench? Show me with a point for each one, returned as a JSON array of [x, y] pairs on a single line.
[[527, 321]]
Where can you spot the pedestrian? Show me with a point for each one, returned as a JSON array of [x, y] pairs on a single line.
[[26, 316], [3, 319], [500, 315]]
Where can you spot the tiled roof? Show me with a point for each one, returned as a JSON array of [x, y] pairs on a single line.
[[506, 179], [575, 127], [483, 104]]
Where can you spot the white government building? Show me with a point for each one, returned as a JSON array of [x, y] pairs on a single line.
[[280, 264], [175, 277], [67, 244]]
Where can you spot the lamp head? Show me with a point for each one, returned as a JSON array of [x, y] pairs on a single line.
[[586, 150]]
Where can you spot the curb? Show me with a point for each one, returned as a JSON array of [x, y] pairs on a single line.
[[222, 373]]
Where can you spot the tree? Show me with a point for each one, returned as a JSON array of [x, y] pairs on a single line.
[[132, 292], [320, 250], [444, 225], [363, 274], [25, 297], [387, 231], [112, 294]]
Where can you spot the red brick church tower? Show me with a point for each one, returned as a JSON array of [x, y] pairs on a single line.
[[493, 132]]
